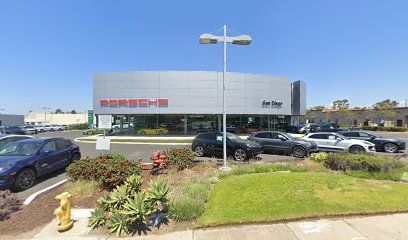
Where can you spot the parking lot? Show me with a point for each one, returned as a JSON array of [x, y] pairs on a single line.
[[142, 152]]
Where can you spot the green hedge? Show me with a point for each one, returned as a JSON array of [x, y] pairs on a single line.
[[79, 126], [386, 129]]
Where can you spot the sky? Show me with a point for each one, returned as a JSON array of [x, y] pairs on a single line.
[[342, 49]]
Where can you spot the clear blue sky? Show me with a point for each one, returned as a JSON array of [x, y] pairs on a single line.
[[49, 50]]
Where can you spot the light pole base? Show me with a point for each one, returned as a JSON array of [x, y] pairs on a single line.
[[225, 168]]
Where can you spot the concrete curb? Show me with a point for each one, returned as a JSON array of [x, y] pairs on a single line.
[[36, 194]]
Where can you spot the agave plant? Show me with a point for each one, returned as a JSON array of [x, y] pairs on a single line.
[[118, 224], [103, 202], [158, 192], [119, 197], [134, 184], [97, 218], [138, 209]]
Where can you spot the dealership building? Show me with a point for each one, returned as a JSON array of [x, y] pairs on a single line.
[[187, 102]]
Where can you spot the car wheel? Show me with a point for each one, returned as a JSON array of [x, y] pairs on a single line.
[[356, 149], [199, 151], [25, 179], [75, 157], [143, 133], [390, 148], [299, 152], [240, 155], [42, 130], [161, 132]]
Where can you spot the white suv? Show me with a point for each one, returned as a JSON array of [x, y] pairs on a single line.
[[333, 142]]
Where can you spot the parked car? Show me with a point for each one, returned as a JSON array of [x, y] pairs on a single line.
[[251, 128], [125, 125], [354, 127], [96, 131], [278, 142], [13, 130], [211, 143], [231, 129], [153, 130], [29, 129], [333, 142], [169, 126], [295, 128], [8, 138], [52, 128], [40, 128], [22, 162], [381, 144], [64, 127]]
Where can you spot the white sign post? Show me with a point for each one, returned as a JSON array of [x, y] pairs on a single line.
[[104, 122]]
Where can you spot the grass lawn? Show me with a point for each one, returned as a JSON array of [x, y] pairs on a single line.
[[283, 196], [143, 140]]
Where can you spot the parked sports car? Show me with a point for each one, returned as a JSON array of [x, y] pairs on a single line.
[[153, 130], [275, 142], [381, 144], [333, 142]]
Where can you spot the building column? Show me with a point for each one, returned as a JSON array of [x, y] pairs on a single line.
[[185, 124]]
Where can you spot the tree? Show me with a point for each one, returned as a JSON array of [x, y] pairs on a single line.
[[385, 104], [73, 112], [341, 104], [318, 108], [58, 111]]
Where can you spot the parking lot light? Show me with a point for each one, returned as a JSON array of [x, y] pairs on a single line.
[[207, 38]]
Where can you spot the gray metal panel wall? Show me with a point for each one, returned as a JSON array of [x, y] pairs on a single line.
[[193, 92], [11, 120], [299, 98]]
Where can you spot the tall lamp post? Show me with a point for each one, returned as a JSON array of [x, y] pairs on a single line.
[[207, 38], [45, 113]]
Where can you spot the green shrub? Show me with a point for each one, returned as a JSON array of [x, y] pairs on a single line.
[[185, 208], [188, 202], [394, 175], [128, 206], [364, 162], [79, 126], [387, 129], [319, 157], [179, 158], [109, 170]]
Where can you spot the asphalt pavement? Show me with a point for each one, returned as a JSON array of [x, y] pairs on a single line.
[[140, 152]]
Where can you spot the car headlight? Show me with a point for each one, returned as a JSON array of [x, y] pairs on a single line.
[[5, 167]]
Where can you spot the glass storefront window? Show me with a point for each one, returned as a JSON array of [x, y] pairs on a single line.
[[181, 124]]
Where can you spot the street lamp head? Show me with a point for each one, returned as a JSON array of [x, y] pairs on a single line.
[[242, 40], [208, 39]]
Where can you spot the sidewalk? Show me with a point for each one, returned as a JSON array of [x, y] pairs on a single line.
[[381, 227]]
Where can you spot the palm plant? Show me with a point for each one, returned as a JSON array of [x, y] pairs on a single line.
[[138, 209], [158, 192]]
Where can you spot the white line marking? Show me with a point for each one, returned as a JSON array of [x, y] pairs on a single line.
[[34, 195]]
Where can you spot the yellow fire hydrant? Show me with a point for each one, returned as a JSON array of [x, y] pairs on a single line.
[[64, 212]]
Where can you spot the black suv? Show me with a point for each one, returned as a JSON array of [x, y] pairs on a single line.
[[13, 130], [210, 143], [381, 144]]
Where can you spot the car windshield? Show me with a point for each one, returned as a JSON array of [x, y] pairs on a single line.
[[232, 136], [20, 149], [290, 137]]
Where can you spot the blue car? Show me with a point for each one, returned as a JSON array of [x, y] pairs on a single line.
[[21, 162]]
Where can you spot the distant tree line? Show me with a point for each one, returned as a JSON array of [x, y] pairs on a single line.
[[59, 111]]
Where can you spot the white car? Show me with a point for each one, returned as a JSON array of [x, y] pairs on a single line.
[[333, 142], [51, 128], [29, 129]]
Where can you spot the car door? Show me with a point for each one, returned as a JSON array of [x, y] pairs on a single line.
[[262, 138], [274, 143], [64, 154], [334, 142], [319, 139], [282, 142], [218, 144], [47, 157]]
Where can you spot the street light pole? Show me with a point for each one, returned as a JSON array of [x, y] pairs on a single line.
[[239, 40], [224, 105]]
